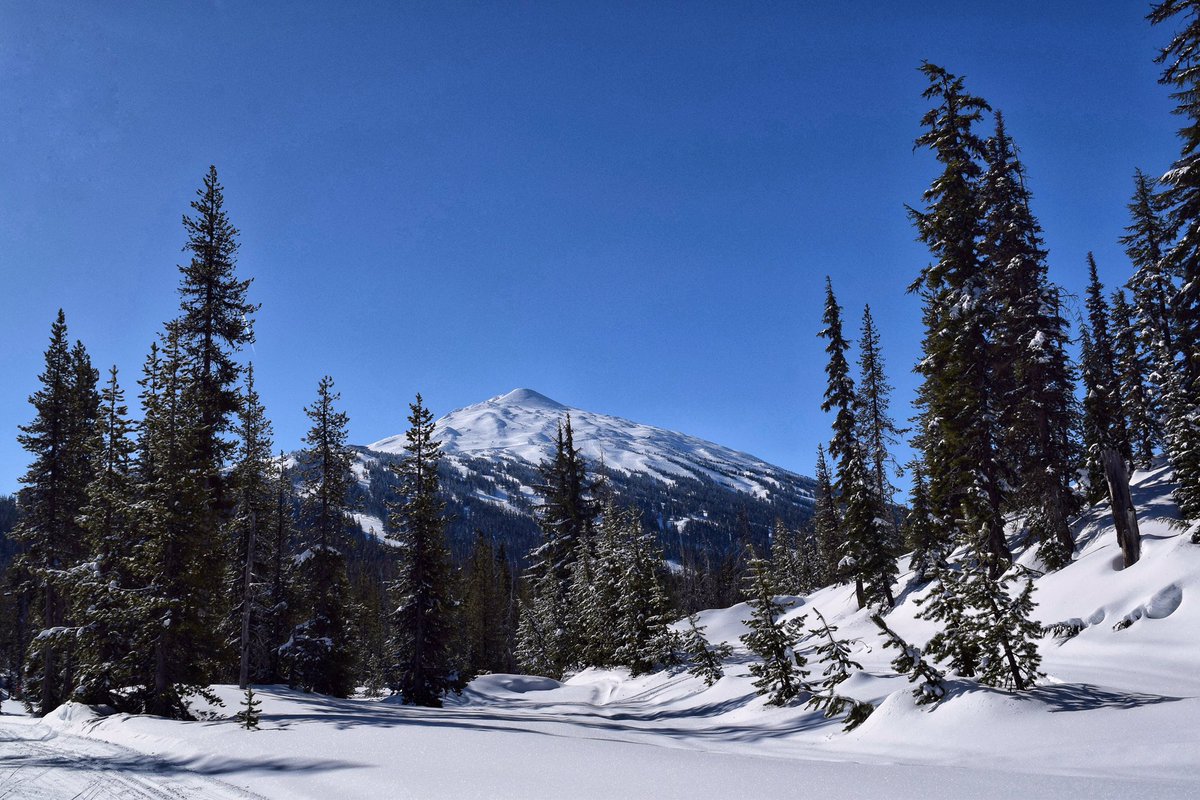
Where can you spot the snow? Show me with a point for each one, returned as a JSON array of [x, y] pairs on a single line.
[[522, 425], [1114, 717]]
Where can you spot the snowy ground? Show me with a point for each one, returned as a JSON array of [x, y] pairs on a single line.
[[1116, 717]]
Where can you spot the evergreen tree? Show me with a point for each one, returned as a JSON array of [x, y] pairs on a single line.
[[254, 495], [1008, 634], [1132, 365], [865, 541], [960, 431], [486, 608], [62, 440], [104, 591], [1104, 420], [1154, 286], [250, 713], [826, 526], [956, 642], [319, 652], [215, 323], [932, 686], [786, 560], [179, 558], [921, 532], [1181, 199], [280, 533], [423, 621], [876, 429], [780, 672], [644, 638], [867, 552], [834, 653], [566, 519], [1033, 375], [705, 660], [840, 397]]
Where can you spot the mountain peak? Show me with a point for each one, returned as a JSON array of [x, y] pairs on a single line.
[[527, 398]]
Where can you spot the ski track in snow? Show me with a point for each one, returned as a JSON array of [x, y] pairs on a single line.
[[38, 763]]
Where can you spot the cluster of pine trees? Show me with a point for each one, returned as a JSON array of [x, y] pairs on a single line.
[[159, 555], [1001, 433], [597, 589]]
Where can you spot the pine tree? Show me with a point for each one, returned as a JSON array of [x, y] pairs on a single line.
[[1033, 375], [840, 397], [565, 517], [1181, 199], [1154, 285], [865, 541], [826, 526], [319, 652], [178, 561], [780, 672], [280, 534], [960, 417], [175, 556], [921, 532], [644, 638], [932, 686], [423, 621], [876, 429], [705, 660], [786, 560], [215, 323], [1008, 634], [104, 593], [956, 642], [253, 494], [1104, 420], [62, 440], [485, 603], [1133, 364], [834, 653], [250, 713]]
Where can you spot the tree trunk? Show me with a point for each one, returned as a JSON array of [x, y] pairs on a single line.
[[1123, 513], [244, 670]]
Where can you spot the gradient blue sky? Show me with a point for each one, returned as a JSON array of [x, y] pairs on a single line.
[[628, 207]]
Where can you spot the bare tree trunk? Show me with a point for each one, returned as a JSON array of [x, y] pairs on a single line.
[[244, 671], [1123, 513]]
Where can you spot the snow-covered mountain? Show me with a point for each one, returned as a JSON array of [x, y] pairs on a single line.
[[698, 494], [522, 424]]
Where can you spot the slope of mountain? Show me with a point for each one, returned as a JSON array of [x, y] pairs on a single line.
[[699, 495]]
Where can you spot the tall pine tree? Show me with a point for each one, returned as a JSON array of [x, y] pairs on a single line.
[[424, 619]]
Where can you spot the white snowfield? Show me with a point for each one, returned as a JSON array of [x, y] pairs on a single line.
[[1117, 716], [522, 425]]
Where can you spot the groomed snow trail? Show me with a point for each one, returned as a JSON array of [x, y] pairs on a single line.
[[38, 763]]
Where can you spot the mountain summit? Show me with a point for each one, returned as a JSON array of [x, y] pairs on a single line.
[[702, 498], [521, 426]]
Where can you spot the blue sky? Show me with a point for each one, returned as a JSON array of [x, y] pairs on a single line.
[[628, 207]]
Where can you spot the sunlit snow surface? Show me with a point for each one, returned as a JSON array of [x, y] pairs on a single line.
[[1116, 717]]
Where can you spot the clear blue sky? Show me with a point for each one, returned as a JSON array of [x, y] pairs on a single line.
[[628, 207]]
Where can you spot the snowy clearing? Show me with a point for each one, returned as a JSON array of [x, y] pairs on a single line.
[[1114, 717]]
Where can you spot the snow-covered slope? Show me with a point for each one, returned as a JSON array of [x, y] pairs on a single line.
[[521, 425], [1114, 717]]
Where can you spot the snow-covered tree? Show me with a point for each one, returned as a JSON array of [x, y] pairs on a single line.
[[706, 660], [780, 671]]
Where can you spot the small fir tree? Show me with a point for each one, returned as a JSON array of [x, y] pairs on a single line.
[[706, 660], [780, 672]]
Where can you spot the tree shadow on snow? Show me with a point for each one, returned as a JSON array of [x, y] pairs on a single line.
[[1087, 697]]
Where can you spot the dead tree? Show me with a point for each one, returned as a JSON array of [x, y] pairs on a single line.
[[1123, 513]]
